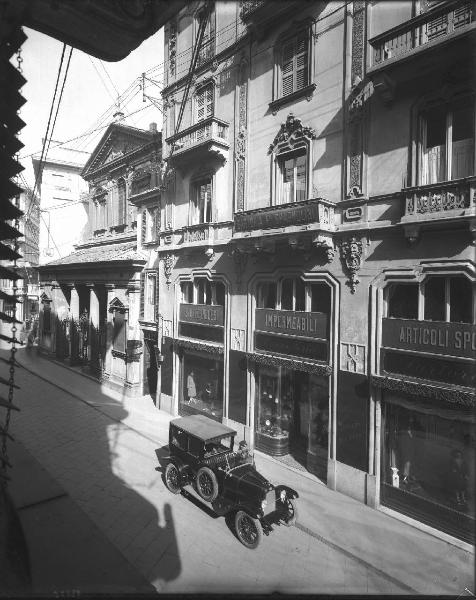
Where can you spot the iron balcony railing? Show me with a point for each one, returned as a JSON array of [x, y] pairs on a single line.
[[443, 197], [448, 19]]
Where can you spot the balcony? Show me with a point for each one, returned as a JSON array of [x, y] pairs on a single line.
[[300, 224], [432, 30], [248, 7], [206, 139], [260, 12], [202, 235], [431, 204]]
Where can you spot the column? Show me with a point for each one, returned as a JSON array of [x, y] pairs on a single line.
[[110, 293], [93, 333]]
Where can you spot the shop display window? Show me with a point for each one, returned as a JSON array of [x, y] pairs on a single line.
[[202, 386], [429, 455], [292, 415], [403, 301]]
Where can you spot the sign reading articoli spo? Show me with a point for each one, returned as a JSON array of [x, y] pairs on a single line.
[[301, 324], [450, 339], [203, 314]]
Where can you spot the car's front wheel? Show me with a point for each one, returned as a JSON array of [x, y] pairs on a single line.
[[207, 484], [172, 478], [290, 516], [248, 530]]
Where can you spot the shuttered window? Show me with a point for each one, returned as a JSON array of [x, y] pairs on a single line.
[[204, 100], [295, 64], [121, 200]]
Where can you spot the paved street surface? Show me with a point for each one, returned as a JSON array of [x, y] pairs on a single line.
[[102, 452]]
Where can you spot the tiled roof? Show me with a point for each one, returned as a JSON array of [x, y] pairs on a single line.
[[96, 254]]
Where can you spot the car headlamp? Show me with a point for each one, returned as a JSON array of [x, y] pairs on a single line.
[[282, 495], [264, 504]]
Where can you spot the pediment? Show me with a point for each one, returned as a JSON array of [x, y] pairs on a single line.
[[118, 141], [116, 304]]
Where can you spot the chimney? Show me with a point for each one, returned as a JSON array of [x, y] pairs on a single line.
[[118, 116], [153, 127]]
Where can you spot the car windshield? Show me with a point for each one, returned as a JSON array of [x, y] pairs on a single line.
[[218, 446]]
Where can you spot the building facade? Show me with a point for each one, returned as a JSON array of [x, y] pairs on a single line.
[[26, 287], [315, 263], [90, 302], [63, 200]]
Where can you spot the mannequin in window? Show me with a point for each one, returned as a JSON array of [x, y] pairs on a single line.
[[407, 451], [458, 478], [191, 387]]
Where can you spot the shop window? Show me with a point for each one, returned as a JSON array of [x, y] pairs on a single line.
[[428, 463], [448, 299], [292, 293], [292, 416], [186, 290], [201, 209], [267, 294], [435, 300], [202, 386], [320, 298], [403, 301], [447, 142], [294, 64], [461, 300], [204, 102], [203, 291]]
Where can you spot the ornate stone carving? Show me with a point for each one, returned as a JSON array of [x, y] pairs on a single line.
[[351, 255], [358, 45], [325, 243], [167, 328], [290, 132], [238, 339], [168, 261], [200, 346], [241, 137], [172, 48], [423, 390], [290, 363], [352, 357]]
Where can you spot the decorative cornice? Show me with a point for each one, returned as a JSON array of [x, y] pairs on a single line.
[[200, 346], [425, 390], [297, 365], [291, 132]]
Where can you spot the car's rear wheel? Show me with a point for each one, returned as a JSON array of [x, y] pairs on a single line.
[[290, 516], [248, 530], [207, 484], [172, 478]]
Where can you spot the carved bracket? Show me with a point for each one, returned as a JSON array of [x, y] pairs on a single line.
[[351, 254], [325, 243], [412, 232], [169, 261]]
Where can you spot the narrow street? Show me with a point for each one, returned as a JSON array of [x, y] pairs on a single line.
[[105, 459]]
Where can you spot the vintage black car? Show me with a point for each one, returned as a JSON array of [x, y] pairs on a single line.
[[202, 455]]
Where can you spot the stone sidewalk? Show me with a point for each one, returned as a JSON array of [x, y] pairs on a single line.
[[414, 560]]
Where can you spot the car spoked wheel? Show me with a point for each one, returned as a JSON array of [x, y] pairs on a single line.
[[248, 530], [290, 516], [172, 479], [207, 484]]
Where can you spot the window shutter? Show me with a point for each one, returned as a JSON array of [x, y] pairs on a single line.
[[301, 63], [287, 69], [209, 101], [201, 105], [156, 305], [142, 293]]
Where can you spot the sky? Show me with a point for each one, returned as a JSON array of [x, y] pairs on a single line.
[[89, 92]]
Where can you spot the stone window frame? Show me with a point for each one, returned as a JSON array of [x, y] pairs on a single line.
[[195, 180], [446, 96], [116, 306], [292, 145], [278, 98], [211, 25]]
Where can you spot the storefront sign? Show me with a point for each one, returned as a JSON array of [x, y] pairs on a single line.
[[450, 339], [313, 350], [302, 324], [278, 216], [202, 314]]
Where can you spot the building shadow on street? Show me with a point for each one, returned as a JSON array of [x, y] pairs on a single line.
[[62, 425]]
